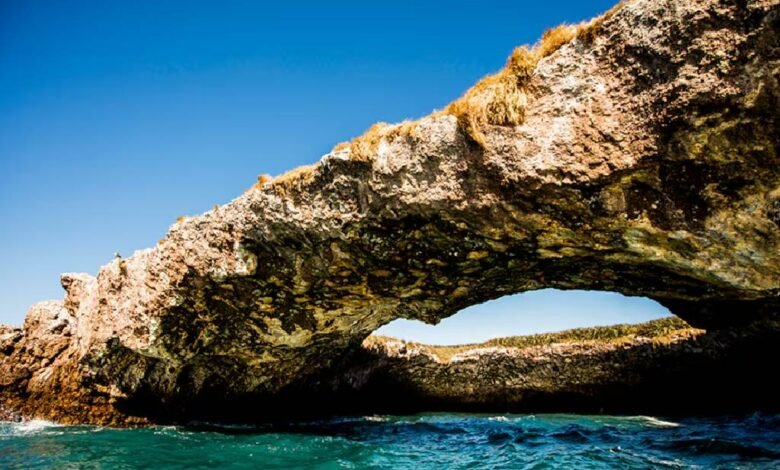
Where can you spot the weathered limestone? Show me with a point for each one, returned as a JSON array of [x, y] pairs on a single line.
[[647, 164]]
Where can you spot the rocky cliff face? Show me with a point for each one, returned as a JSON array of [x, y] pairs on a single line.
[[636, 154]]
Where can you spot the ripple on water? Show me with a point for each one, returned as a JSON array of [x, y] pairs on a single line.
[[421, 441]]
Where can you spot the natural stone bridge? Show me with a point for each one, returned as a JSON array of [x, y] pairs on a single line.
[[645, 162]]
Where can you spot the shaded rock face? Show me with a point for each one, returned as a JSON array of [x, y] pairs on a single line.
[[647, 164], [662, 367], [674, 369], [684, 372]]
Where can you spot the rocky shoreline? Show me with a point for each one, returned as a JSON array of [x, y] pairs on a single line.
[[661, 367], [634, 153]]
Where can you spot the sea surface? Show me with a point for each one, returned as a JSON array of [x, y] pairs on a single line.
[[448, 441]]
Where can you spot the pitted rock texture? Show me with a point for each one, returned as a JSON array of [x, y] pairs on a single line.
[[647, 164], [663, 366]]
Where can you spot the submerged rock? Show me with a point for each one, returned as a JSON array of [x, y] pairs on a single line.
[[636, 154]]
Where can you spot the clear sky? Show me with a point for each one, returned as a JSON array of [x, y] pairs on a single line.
[[118, 116]]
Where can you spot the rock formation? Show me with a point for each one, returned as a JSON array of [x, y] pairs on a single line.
[[662, 367], [636, 153]]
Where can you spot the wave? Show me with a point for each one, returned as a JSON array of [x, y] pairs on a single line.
[[31, 426], [658, 422], [416, 441]]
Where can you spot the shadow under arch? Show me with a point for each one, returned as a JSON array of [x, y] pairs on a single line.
[[663, 366]]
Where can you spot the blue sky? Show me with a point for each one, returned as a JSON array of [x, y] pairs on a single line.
[[117, 117]]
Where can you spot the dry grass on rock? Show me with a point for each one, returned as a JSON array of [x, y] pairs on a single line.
[[499, 99], [294, 178]]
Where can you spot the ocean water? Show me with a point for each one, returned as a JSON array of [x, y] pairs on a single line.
[[448, 441]]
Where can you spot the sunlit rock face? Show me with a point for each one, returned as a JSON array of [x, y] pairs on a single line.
[[647, 164]]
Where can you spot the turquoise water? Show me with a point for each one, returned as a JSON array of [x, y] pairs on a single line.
[[419, 441]]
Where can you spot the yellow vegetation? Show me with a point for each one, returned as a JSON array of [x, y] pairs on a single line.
[[554, 38], [365, 147], [499, 99], [262, 180], [285, 181], [592, 29], [341, 146], [301, 175]]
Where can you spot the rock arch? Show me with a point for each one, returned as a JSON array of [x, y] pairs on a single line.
[[647, 164]]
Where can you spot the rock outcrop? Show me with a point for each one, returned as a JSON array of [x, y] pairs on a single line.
[[662, 367], [637, 154]]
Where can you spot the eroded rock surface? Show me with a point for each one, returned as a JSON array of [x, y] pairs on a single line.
[[663, 367], [647, 163]]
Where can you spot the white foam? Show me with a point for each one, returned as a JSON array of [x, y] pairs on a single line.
[[34, 425], [658, 422], [375, 418], [498, 418]]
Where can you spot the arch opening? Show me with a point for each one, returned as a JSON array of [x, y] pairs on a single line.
[[554, 350], [529, 313]]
